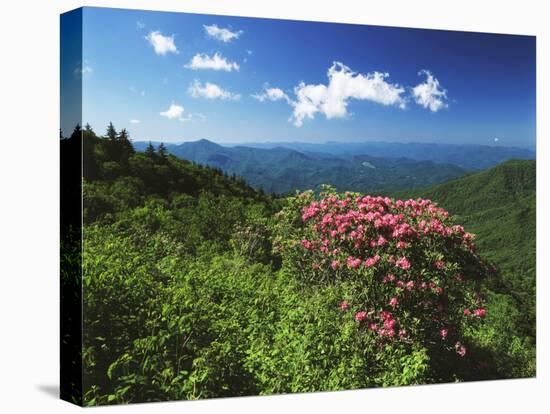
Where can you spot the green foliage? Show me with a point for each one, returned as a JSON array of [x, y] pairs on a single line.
[[186, 297], [498, 205]]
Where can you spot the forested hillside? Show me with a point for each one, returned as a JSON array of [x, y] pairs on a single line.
[[467, 156], [499, 207], [283, 171], [196, 285]]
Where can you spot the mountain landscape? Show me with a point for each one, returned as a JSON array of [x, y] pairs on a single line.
[[283, 170], [467, 156], [369, 167], [297, 248], [177, 237]]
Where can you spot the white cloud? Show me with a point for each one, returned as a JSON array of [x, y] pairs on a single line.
[[271, 94], [211, 91], [332, 100], [135, 121], [221, 34], [216, 62], [140, 25], [162, 44], [429, 94], [173, 112]]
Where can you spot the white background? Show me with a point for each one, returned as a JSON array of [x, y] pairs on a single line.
[[29, 193]]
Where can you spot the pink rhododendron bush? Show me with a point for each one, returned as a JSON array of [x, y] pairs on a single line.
[[408, 274]]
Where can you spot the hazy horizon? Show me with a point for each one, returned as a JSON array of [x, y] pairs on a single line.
[[290, 141]]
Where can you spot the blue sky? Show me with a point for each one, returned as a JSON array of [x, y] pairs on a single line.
[[175, 77]]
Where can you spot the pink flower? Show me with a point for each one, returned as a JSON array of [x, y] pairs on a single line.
[[410, 285], [344, 305], [467, 312], [371, 261], [403, 263], [381, 241], [385, 315], [460, 349], [393, 302], [307, 244], [401, 245], [335, 264], [443, 332], [388, 278], [360, 316], [402, 333], [480, 313], [439, 264], [353, 262]]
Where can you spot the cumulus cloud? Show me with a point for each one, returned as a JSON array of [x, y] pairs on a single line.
[[175, 111], [221, 34], [216, 62], [135, 121], [271, 94], [162, 44], [429, 94], [211, 91], [343, 84]]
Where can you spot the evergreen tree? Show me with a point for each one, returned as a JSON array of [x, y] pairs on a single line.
[[150, 151], [126, 146], [111, 132], [88, 128], [77, 132], [162, 152]]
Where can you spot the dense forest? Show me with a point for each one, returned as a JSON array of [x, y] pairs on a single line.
[[196, 285]]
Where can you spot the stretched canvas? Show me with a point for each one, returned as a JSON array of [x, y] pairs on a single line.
[[253, 206]]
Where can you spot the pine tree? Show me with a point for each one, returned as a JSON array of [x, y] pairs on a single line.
[[111, 132], [150, 151], [162, 151], [88, 128], [77, 132], [112, 144]]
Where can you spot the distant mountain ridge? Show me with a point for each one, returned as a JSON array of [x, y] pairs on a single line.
[[282, 170], [468, 156]]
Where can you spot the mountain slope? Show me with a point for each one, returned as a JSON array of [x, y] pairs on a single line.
[[470, 157], [282, 170], [499, 206]]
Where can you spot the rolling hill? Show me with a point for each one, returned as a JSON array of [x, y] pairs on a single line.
[[470, 157], [283, 170]]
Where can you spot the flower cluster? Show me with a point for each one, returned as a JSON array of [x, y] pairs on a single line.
[[418, 271]]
